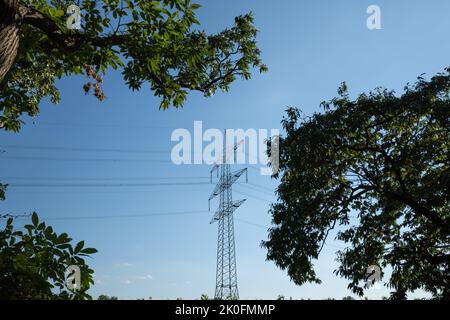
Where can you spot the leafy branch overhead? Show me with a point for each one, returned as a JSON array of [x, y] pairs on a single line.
[[154, 43]]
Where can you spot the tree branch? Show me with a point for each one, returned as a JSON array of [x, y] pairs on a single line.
[[68, 41]]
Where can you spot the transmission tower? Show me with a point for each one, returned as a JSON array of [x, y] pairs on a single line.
[[226, 276]]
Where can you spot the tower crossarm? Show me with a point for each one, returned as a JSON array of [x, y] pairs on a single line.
[[228, 210], [227, 182]]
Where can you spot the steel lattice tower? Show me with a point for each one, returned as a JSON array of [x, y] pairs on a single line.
[[226, 276]]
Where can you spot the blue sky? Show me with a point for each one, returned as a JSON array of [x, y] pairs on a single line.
[[310, 48]]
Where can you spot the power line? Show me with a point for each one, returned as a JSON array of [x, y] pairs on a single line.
[[262, 188], [108, 191], [124, 216], [334, 246], [86, 185], [266, 228], [28, 147], [81, 159], [86, 149], [102, 125], [252, 224], [257, 190], [116, 192], [98, 178], [127, 216], [104, 185], [14, 216], [254, 197], [67, 179], [254, 168]]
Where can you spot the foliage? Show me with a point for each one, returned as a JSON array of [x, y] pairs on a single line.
[[2, 191], [376, 171], [154, 42], [106, 297], [33, 263]]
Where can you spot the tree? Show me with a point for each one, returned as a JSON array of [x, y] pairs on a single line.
[[154, 42], [106, 297], [375, 172], [33, 264], [2, 192]]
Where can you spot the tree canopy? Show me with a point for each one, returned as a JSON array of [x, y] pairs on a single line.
[[106, 297], [154, 43], [34, 264], [374, 172]]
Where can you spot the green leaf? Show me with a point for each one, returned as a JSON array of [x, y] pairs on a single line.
[[35, 219], [79, 246], [89, 251], [64, 246], [48, 232]]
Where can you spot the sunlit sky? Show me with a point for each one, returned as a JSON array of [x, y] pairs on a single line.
[[310, 48]]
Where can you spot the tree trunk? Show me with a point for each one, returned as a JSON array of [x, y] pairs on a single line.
[[9, 35]]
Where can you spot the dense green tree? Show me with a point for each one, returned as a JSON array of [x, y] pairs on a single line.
[[152, 42], [33, 263], [373, 171]]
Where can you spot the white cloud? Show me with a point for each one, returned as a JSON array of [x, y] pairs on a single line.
[[99, 282], [98, 279], [147, 277], [127, 264]]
